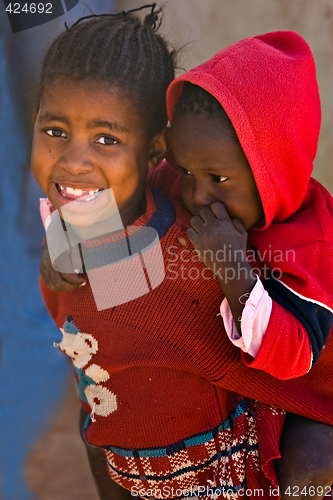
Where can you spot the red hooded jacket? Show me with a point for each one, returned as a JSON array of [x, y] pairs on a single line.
[[267, 85]]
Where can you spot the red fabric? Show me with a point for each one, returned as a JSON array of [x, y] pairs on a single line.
[[295, 347], [167, 178], [267, 85]]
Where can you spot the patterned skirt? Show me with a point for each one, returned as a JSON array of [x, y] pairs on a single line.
[[233, 460]]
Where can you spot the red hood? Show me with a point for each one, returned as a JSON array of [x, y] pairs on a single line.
[[267, 85]]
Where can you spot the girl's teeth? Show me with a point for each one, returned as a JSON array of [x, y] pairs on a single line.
[[93, 196], [78, 192]]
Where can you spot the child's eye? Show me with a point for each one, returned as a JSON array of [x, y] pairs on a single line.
[[107, 141], [55, 132], [218, 178], [185, 172]]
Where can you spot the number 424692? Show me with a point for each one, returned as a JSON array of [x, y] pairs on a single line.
[[296, 491], [33, 8]]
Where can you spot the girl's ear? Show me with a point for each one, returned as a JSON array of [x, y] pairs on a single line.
[[158, 148]]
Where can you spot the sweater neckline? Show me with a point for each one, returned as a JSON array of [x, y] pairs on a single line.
[[164, 215], [160, 213]]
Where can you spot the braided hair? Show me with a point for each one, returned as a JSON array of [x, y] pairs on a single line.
[[118, 49]]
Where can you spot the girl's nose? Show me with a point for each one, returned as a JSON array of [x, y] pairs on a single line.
[[76, 158]]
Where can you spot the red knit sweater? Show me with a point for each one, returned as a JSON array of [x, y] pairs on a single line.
[[152, 371]]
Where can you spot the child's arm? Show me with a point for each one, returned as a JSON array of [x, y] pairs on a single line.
[[214, 234], [54, 280], [295, 329]]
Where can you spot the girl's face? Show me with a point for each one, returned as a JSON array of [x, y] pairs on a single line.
[[214, 168], [89, 137]]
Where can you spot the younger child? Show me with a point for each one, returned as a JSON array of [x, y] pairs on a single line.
[[151, 372], [244, 133]]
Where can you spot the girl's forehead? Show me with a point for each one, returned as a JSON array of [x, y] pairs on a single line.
[[88, 99], [61, 84]]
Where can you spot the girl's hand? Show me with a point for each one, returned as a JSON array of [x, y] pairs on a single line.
[[54, 280]]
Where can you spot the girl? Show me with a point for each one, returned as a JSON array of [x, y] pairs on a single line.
[[149, 372]]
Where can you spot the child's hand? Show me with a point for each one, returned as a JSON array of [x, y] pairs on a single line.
[[54, 280], [219, 240], [221, 245]]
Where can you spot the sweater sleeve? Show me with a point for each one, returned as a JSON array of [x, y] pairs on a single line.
[[285, 351], [299, 323], [271, 339], [296, 334], [302, 315]]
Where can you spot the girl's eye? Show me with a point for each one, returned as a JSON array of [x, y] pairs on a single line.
[[218, 178], [55, 132], [185, 172], [107, 141]]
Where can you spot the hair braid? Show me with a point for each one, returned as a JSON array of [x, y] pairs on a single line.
[[118, 49]]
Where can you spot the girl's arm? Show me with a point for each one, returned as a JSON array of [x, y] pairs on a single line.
[[54, 280]]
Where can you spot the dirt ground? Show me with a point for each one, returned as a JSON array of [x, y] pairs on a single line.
[[58, 468]]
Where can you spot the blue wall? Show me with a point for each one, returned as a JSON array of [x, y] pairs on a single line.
[[33, 374]]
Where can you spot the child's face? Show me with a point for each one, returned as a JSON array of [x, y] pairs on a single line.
[[214, 168], [90, 137]]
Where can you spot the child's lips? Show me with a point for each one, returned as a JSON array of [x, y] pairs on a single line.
[[85, 210], [67, 194]]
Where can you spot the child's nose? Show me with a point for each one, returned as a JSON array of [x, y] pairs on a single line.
[[76, 158], [201, 196]]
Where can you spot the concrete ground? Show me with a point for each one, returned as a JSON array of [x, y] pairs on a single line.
[[58, 468]]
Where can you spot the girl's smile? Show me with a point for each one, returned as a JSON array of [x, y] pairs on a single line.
[[88, 137]]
